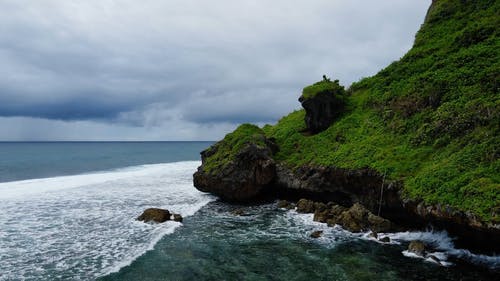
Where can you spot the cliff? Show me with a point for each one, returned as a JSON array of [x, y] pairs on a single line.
[[420, 139]]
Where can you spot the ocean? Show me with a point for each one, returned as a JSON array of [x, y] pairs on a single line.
[[68, 209]]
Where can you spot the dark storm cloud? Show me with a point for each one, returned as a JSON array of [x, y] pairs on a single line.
[[192, 69]]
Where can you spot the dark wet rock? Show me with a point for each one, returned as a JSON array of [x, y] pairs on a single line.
[[283, 204], [379, 224], [355, 219], [154, 214], [373, 234], [358, 218], [305, 206], [331, 222], [316, 234], [343, 186], [238, 212], [178, 218], [385, 239], [417, 247], [349, 221]]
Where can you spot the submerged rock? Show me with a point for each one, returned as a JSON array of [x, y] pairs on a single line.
[[178, 218], [385, 239], [283, 204], [238, 212], [316, 234], [154, 214]]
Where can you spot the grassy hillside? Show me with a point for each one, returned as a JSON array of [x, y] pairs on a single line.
[[430, 119]]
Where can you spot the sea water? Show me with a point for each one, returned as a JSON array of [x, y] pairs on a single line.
[[67, 212]]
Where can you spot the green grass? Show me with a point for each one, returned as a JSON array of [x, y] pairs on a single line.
[[324, 87], [225, 151]]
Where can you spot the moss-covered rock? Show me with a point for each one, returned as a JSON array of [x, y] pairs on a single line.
[[323, 101], [239, 167]]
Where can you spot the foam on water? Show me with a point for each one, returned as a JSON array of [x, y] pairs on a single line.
[[445, 248], [440, 241], [81, 227]]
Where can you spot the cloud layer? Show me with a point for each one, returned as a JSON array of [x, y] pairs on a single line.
[[182, 69]]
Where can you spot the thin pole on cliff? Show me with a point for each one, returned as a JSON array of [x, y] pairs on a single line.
[[381, 195]]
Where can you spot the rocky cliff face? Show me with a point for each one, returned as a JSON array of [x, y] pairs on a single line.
[[244, 178], [429, 121]]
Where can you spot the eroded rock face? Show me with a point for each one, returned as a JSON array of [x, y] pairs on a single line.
[[242, 179], [321, 111], [343, 186]]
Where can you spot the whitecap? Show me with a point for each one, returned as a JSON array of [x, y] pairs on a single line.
[[84, 226]]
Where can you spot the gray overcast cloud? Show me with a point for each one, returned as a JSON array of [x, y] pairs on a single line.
[[182, 69]]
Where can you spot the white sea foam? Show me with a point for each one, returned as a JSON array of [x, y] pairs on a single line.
[[444, 248], [440, 241], [83, 226]]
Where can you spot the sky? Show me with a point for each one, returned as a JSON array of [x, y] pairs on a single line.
[[109, 70]]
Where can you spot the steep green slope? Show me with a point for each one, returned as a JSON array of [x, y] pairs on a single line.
[[430, 119]]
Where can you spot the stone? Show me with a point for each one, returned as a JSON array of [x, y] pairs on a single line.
[[417, 247], [305, 206], [385, 239], [373, 234], [238, 212], [283, 204], [178, 218], [316, 234], [155, 215], [379, 224]]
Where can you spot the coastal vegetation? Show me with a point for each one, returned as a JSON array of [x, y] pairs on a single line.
[[430, 120]]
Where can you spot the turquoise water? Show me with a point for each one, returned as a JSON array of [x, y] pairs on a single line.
[[272, 244], [67, 212]]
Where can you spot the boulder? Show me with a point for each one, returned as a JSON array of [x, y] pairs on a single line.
[[154, 214], [316, 234], [238, 212], [305, 206], [178, 217], [385, 239], [417, 247], [379, 224], [283, 204]]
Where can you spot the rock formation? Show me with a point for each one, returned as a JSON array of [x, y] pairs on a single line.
[[323, 102]]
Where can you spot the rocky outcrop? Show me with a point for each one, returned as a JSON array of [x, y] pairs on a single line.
[[158, 215], [355, 219], [155, 215], [323, 103], [242, 179]]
